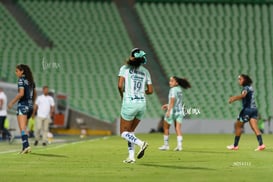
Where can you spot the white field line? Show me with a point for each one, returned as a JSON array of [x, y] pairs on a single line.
[[57, 146]]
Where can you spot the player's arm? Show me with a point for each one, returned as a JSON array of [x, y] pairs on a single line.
[[170, 106], [35, 108], [120, 85], [52, 111], [34, 95], [17, 97], [1, 103], [149, 89], [237, 97]]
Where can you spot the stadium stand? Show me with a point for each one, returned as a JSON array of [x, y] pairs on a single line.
[[211, 44], [90, 44], [207, 42]]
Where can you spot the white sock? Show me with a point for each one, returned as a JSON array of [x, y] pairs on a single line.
[[131, 138], [179, 141], [131, 150], [166, 140]]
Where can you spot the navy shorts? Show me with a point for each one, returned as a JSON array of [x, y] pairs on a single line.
[[24, 110], [247, 113]]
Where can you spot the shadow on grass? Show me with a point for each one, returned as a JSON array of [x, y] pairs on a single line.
[[177, 167], [207, 152], [48, 155]]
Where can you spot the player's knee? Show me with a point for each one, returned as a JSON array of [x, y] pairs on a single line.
[[124, 133]]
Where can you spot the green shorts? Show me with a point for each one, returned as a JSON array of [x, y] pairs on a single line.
[[130, 111], [174, 117]]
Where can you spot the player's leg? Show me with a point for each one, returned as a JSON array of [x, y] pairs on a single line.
[[166, 133], [125, 131], [23, 114], [22, 122], [238, 131], [254, 127], [131, 146], [37, 130], [139, 116], [45, 126], [126, 128], [178, 131], [2, 120]]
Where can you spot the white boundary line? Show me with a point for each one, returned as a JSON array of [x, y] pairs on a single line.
[[57, 146]]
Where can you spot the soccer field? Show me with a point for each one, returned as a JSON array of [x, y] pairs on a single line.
[[204, 158]]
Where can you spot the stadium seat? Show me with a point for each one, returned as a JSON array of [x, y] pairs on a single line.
[[216, 42]]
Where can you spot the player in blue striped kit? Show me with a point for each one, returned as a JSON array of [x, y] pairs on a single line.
[[249, 112], [25, 98], [133, 83]]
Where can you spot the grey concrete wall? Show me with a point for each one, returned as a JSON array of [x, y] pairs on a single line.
[[201, 126]]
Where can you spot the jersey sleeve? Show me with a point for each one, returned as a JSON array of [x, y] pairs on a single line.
[[52, 103], [245, 89], [172, 93], [122, 71], [37, 100], [148, 78], [21, 83]]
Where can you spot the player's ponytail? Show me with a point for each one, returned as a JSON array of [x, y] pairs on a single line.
[[183, 82]]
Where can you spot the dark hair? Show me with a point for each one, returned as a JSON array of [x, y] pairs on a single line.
[[137, 58], [183, 82], [247, 80], [27, 72]]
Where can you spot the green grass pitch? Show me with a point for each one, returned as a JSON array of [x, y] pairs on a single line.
[[204, 158]]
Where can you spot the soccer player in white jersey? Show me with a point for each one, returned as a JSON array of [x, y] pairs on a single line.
[[134, 82], [174, 111]]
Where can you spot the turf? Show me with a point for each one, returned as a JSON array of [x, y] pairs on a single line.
[[204, 158]]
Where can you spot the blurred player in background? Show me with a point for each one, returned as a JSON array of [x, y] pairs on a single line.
[[44, 106], [3, 115], [174, 111], [25, 98], [133, 83], [249, 112]]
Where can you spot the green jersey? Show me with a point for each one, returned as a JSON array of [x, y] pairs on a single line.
[[176, 92], [135, 83]]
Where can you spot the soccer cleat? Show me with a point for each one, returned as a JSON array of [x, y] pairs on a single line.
[[26, 150], [232, 147], [142, 150], [164, 147], [178, 148], [129, 161], [11, 139], [260, 148]]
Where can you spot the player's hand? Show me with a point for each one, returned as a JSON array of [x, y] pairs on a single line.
[[164, 107], [10, 105], [231, 99], [168, 113]]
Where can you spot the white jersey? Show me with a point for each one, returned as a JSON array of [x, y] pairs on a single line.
[[135, 83], [3, 110], [44, 103], [176, 92]]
